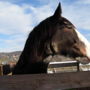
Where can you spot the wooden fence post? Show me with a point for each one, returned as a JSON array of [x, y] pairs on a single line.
[[78, 67], [1, 70]]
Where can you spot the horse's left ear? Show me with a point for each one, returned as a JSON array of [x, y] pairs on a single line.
[[58, 11]]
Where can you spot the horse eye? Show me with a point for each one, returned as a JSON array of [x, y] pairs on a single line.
[[69, 26], [65, 22]]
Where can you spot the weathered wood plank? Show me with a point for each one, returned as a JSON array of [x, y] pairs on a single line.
[[45, 81], [58, 67], [63, 64]]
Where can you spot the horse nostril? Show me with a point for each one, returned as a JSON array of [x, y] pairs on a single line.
[[76, 48]]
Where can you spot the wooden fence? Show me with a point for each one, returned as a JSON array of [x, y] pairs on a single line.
[[61, 81], [5, 69]]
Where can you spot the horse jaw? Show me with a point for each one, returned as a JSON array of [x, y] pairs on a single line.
[[85, 41]]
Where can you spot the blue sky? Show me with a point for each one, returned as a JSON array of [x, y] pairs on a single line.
[[19, 17]]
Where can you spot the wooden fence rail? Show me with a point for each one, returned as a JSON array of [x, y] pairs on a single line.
[[65, 64], [61, 81]]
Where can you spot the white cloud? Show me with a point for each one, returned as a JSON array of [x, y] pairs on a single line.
[[14, 21], [41, 12], [78, 14], [83, 1], [17, 21], [14, 43], [12, 1]]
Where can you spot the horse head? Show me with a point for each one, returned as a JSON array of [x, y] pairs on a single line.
[[66, 39]]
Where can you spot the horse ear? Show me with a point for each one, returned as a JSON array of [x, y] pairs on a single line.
[[58, 11]]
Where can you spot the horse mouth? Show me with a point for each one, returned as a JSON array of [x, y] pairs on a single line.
[[83, 60]]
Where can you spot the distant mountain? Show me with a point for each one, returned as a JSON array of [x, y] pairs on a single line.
[[12, 56]]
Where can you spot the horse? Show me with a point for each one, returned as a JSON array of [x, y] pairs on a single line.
[[55, 35]]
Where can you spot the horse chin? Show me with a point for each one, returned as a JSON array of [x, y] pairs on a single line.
[[83, 60], [80, 57]]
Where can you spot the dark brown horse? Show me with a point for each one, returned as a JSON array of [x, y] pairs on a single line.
[[54, 35]]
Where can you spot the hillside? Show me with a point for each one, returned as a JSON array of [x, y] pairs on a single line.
[[12, 56]]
